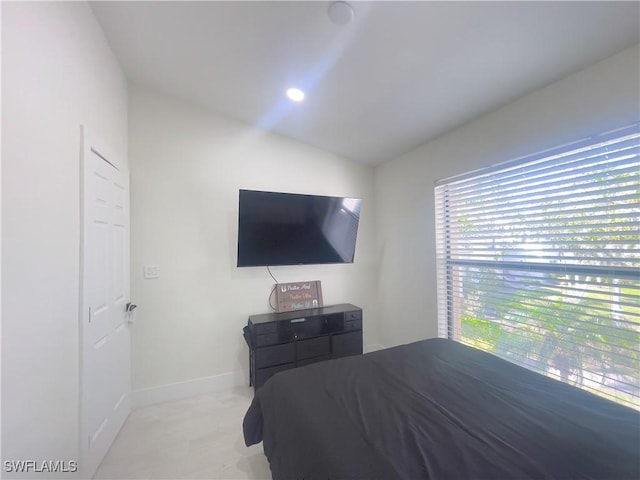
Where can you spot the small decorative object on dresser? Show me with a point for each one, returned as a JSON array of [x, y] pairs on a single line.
[[281, 341], [298, 295]]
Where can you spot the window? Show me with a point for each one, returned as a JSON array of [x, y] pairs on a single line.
[[538, 263]]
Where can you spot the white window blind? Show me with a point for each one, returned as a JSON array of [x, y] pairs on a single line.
[[539, 263]]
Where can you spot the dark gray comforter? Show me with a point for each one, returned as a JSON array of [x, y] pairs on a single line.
[[437, 409]]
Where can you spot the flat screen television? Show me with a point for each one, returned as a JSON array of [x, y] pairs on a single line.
[[293, 229]]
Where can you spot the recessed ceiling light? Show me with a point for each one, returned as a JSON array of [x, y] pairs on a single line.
[[340, 13], [295, 94]]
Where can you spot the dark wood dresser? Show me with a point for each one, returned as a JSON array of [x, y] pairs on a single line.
[[280, 341]]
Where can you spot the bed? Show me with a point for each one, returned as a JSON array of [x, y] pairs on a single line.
[[437, 409]]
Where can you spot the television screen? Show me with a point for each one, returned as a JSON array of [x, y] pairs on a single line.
[[293, 229]]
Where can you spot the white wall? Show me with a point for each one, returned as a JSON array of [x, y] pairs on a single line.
[[602, 97], [187, 165], [57, 73]]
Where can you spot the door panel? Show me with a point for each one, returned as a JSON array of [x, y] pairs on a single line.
[[105, 361]]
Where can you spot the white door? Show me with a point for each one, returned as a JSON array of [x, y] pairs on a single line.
[[105, 356]]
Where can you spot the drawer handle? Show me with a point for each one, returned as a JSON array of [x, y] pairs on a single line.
[[298, 320]]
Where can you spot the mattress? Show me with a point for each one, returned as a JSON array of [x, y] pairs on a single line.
[[437, 409]]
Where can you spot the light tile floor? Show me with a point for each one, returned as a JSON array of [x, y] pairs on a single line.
[[194, 438]]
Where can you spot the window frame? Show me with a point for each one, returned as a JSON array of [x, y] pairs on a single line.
[[448, 263]]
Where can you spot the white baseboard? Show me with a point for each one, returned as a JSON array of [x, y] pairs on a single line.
[[198, 386], [189, 388], [373, 348]]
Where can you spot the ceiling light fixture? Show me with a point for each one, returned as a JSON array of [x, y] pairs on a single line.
[[340, 13], [295, 94]]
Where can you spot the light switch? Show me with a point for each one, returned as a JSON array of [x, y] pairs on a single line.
[[151, 271]]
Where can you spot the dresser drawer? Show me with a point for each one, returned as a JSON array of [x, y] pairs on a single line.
[[275, 355], [355, 315], [268, 339], [264, 328], [353, 325], [346, 344], [314, 347]]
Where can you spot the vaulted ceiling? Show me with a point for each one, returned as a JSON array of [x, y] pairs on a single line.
[[396, 76]]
